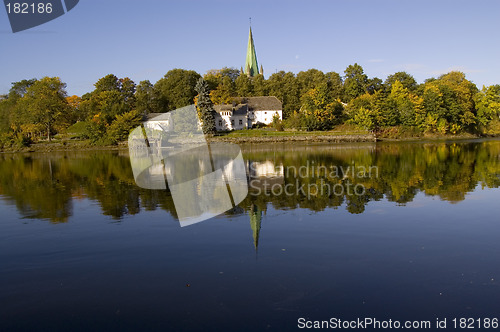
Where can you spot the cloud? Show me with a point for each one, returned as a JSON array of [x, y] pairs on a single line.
[[297, 57]]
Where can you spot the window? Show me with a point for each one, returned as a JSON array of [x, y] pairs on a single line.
[[241, 122], [232, 123], [265, 112], [220, 123]]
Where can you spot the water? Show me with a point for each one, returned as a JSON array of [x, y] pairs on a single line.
[[83, 248]]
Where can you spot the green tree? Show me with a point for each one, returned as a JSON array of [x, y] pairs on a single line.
[[450, 99], [121, 127], [310, 79], [404, 78], [259, 86], [284, 86], [224, 92], [176, 89], [127, 89], [321, 111], [214, 77], [205, 107], [145, 101], [400, 100], [488, 104], [45, 102], [373, 85], [335, 85], [355, 82], [244, 86], [107, 83]]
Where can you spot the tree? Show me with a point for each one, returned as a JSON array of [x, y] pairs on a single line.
[[176, 89], [74, 106], [45, 102], [284, 86], [260, 86], [400, 99], [127, 89], [321, 112], [335, 85], [404, 78], [373, 85], [121, 127], [112, 96], [224, 92], [310, 79], [244, 86], [108, 83], [214, 77], [205, 107], [145, 102], [355, 82], [488, 104], [449, 100], [18, 89]]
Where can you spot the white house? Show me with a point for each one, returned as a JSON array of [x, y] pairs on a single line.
[[247, 112], [229, 117], [158, 121]]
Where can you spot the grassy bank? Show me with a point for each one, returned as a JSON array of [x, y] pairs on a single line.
[[258, 136], [62, 145], [269, 136]]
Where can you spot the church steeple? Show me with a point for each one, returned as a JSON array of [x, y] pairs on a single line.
[[251, 67]]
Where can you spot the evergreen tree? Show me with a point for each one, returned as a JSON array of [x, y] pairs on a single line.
[[205, 107]]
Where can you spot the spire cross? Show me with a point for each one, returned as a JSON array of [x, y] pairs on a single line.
[[250, 19]]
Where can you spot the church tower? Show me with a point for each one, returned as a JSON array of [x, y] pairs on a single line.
[[251, 67]]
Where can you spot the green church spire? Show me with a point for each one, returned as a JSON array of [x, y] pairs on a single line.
[[251, 67]]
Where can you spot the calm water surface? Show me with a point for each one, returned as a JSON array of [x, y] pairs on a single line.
[[83, 248]]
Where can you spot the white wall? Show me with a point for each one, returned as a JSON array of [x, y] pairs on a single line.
[[265, 117], [230, 122]]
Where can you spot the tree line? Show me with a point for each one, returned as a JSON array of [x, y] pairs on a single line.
[[39, 109]]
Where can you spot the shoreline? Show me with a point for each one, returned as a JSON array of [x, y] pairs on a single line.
[[81, 145]]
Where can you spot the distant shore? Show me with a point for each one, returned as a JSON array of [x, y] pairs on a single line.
[[295, 138], [282, 137]]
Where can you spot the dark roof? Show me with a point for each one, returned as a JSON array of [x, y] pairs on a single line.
[[223, 107], [160, 116], [240, 109], [267, 103]]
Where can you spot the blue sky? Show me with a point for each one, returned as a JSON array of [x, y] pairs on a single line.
[[145, 39]]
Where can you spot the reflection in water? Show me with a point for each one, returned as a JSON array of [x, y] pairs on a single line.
[[394, 171], [426, 260], [44, 186], [255, 219]]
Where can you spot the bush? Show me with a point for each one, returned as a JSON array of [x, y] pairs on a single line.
[[277, 123], [120, 128], [293, 122], [94, 130], [21, 141]]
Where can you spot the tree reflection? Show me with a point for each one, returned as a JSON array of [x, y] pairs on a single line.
[[45, 186], [446, 170]]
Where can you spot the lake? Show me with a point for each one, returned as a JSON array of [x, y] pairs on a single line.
[[327, 232]]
